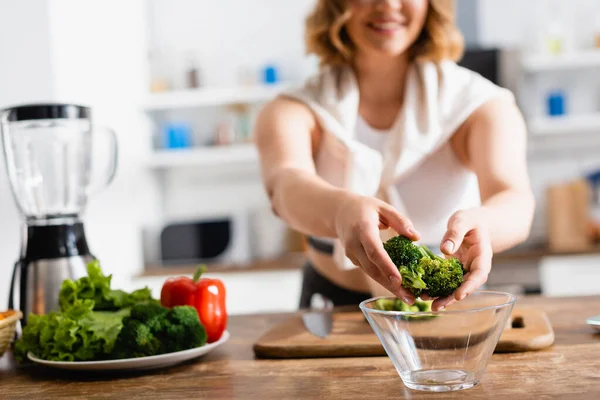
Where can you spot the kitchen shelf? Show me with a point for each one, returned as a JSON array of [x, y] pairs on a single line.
[[525, 253], [287, 262], [205, 156], [210, 97], [568, 124], [568, 60]]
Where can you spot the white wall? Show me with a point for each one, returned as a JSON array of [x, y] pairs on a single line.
[[249, 293], [231, 34], [95, 52], [99, 53], [25, 75], [518, 24], [91, 52]]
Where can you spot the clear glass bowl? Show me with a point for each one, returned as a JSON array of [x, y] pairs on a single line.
[[447, 350]]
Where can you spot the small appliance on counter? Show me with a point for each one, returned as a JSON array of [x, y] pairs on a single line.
[[48, 151], [220, 238]]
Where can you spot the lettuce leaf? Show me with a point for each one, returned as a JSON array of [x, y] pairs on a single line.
[[78, 334], [96, 287], [88, 324]]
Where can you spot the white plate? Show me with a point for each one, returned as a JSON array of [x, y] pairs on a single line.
[[140, 363]]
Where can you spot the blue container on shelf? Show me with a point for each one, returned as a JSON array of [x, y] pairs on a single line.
[[177, 135], [270, 75], [556, 103]]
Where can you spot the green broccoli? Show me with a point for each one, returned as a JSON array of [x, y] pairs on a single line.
[[182, 329], [406, 255], [151, 329], [422, 271], [387, 304], [136, 339]]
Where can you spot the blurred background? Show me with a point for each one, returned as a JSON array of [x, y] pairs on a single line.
[[180, 82]]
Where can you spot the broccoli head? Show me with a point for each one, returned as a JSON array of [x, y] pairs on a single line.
[[136, 339], [442, 277], [182, 329], [406, 255], [403, 251], [151, 329], [422, 271]]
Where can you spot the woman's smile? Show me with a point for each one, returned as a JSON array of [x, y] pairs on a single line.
[[387, 26]]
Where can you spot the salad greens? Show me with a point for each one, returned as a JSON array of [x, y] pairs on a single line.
[[96, 287], [77, 334], [95, 323]]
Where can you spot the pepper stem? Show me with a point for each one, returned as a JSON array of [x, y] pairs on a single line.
[[201, 269]]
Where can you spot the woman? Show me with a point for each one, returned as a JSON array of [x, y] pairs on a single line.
[[393, 137]]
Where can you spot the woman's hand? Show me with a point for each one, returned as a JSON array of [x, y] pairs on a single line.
[[467, 239], [357, 224]]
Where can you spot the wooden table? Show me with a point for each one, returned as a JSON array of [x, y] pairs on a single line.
[[570, 369]]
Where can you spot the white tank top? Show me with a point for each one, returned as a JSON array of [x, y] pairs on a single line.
[[438, 187], [416, 169]]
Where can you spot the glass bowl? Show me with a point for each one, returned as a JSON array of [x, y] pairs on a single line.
[[446, 350]]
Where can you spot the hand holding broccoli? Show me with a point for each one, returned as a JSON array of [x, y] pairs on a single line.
[[429, 276], [424, 274], [468, 240], [357, 224]]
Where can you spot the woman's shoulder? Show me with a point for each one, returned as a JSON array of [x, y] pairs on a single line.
[[458, 90], [455, 80]]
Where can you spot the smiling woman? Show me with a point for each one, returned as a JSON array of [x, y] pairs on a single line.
[[392, 137], [336, 28]]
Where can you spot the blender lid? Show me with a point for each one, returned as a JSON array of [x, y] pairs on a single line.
[[47, 111]]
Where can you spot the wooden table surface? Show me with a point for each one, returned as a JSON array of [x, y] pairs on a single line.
[[569, 369]]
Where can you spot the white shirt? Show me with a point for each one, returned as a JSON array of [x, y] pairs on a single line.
[[439, 187], [415, 170]]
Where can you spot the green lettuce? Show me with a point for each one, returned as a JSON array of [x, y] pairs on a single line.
[[88, 324], [96, 287], [77, 334]]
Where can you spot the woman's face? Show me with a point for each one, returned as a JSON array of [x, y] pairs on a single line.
[[387, 27]]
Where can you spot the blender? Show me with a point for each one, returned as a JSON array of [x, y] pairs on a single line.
[[49, 151]]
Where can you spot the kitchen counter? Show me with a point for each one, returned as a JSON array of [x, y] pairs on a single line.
[[568, 369]]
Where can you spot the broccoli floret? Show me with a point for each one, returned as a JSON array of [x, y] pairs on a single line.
[[403, 251], [152, 314], [443, 277], [422, 271], [138, 335], [406, 255], [151, 329], [182, 329], [398, 305], [136, 339]]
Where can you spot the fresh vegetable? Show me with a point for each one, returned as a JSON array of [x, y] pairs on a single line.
[[399, 305], [422, 271], [152, 329], [207, 296], [96, 287], [78, 334], [98, 323]]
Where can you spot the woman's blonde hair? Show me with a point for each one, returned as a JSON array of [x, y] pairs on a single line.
[[326, 34]]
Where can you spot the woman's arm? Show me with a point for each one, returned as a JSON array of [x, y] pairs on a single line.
[[495, 145], [287, 136], [493, 142]]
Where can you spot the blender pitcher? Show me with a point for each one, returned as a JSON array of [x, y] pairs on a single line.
[[51, 152]]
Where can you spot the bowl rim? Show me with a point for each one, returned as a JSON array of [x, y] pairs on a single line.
[[511, 300]]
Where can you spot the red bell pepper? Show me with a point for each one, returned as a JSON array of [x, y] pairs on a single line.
[[207, 296]]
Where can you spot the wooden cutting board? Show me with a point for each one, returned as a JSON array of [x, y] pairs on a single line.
[[528, 329]]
